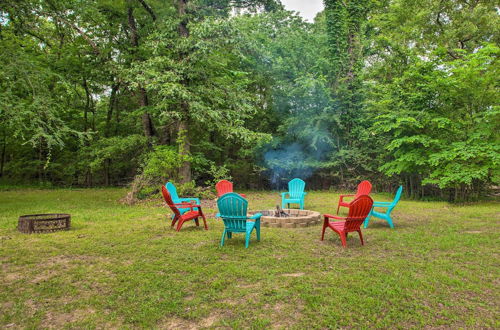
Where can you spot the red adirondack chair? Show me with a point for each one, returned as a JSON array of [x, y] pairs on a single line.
[[224, 187], [192, 214], [358, 211], [364, 188]]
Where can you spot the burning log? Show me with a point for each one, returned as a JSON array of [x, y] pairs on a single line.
[[280, 213]]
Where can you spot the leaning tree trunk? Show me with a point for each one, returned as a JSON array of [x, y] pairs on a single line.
[[183, 135]]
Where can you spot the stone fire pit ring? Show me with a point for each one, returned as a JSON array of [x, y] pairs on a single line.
[[297, 218]]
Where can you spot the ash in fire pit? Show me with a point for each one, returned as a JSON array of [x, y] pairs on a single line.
[[280, 213]]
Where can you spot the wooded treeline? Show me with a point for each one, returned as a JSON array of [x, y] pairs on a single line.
[[104, 92]]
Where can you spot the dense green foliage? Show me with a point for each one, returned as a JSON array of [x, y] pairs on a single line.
[[395, 91]]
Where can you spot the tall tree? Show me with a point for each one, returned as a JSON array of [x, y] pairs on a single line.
[[346, 23]]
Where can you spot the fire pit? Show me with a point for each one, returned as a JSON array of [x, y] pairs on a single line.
[[43, 223], [288, 218]]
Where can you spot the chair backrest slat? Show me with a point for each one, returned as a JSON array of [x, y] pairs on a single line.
[[396, 199], [172, 191], [364, 188], [358, 211], [233, 211], [223, 187], [296, 188], [169, 201]]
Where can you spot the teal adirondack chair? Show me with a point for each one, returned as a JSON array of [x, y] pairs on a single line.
[[177, 200], [387, 215], [295, 194], [233, 211]]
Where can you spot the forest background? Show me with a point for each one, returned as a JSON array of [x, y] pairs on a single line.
[[103, 92]]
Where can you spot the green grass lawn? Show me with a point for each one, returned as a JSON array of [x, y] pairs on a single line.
[[123, 266]]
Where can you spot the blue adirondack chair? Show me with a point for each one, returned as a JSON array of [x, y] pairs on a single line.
[[177, 200], [295, 194], [233, 211], [387, 215]]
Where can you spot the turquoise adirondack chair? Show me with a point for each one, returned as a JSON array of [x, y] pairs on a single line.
[[387, 215], [177, 200], [295, 194], [233, 211]]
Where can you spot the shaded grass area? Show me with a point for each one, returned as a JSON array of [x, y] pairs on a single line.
[[123, 266]]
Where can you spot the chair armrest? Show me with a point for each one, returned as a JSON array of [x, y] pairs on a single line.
[[190, 199], [284, 193], [329, 216], [183, 205], [256, 216], [341, 197], [381, 204], [187, 205], [243, 195], [305, 193]]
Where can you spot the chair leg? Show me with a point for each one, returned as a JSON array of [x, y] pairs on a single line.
[[367, 220], [325, 224], [223, 238], [174, 220], [229, 235], [389, 220], [257, 229], [179, 224], [204, 220], [338, 208], [197, 222], [361, 237], [343, 239], [247, 239]]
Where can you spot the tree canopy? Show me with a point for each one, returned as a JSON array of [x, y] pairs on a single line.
[[110, 92]]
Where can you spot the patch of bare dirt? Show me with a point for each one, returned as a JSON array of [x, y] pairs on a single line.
[[246, 299], [248, 285], [180, 323], [42, 277], [69, 259], [7, 305], [209, 321], [285, 315], [293, 274], [12, 277], [54, 320]]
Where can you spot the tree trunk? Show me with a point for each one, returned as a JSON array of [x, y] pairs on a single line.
[[2, 157], [107, 166], [40, 160], [184, 152], [111, 107], [147, 122], [87, 106], [183, 135], [181, 8]]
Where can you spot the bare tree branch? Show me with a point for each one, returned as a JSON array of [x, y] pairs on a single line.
[[148, 9]]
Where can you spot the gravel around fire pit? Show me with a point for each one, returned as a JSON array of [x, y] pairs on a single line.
[[296, 218]]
